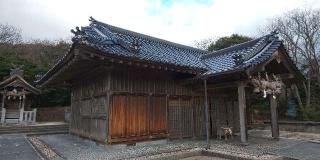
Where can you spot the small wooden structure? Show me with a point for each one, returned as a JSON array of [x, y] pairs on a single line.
[[128, 87], [17, 95]]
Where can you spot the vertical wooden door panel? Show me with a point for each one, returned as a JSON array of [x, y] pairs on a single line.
[[157, 110], [132, 116], [136, 110], [174, 116], [186, 117], [117, 117]]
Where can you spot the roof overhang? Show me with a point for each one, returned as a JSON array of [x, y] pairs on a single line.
[[81, 58]]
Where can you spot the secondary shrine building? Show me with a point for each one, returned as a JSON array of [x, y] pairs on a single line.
[[129, 87], [17, 103]]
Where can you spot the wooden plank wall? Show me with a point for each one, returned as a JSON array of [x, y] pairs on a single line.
[[158, 112], [137, 117], [147, 82], [89, 108], [199, 117], [224, 111], [157, 87], [91, 114], [91, 98], [180, 117]]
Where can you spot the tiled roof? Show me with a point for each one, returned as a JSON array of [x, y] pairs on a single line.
[[113, 40], [18, 81], [248, 54]]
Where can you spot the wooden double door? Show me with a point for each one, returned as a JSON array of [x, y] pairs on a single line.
[[137, 117]]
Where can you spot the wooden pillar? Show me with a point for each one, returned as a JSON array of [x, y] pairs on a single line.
[[207, 114], [3, 112], [192, 117], [242, 112], [274, 117], [21, 105], [34, 115]]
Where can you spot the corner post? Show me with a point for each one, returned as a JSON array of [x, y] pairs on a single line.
[[206, 113], [242, 112], [274, 117], [3, 110]]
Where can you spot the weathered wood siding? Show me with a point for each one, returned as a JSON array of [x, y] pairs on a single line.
[[224, 112], [130, 104], [138, 101], [146, 81], [149, 111], [89, 109], [158, 115], [137, 117], [180, 117], [199, 117]]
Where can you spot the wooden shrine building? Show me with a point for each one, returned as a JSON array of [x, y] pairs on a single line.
[[126, 86], [17, 99]]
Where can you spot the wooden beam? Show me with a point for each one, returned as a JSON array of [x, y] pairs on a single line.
[[187, 81], [242, 112], [286, 76], [274, 117], [232, 84]]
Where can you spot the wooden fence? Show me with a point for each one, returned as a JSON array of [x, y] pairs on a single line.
[[28, 116]]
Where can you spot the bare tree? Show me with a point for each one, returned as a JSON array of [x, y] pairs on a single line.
[[203, 43], [300, 30], [10, 34]]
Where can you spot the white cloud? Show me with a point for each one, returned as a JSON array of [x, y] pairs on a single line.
[[182, 21]]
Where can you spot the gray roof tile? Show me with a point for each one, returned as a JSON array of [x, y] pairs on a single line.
[[253, 52], [112, 40]]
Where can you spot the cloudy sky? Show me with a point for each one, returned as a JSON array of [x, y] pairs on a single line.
[[181, 21]]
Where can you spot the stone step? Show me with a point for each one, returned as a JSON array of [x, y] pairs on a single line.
[[10, 121], [35, 132], [47, 132], [28, 128], [31, 126], [35, 129]]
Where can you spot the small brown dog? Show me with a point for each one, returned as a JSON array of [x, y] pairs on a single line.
[[227, 132]]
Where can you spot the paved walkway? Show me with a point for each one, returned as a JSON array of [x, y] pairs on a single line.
[[16, 147], [306, 148], [301, 151]]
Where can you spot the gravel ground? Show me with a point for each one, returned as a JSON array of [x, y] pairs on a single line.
[[65, 146], [261, 146], [43, 149], [73, 147]]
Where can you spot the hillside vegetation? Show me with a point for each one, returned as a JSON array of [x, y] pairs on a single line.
[[35, 57]]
